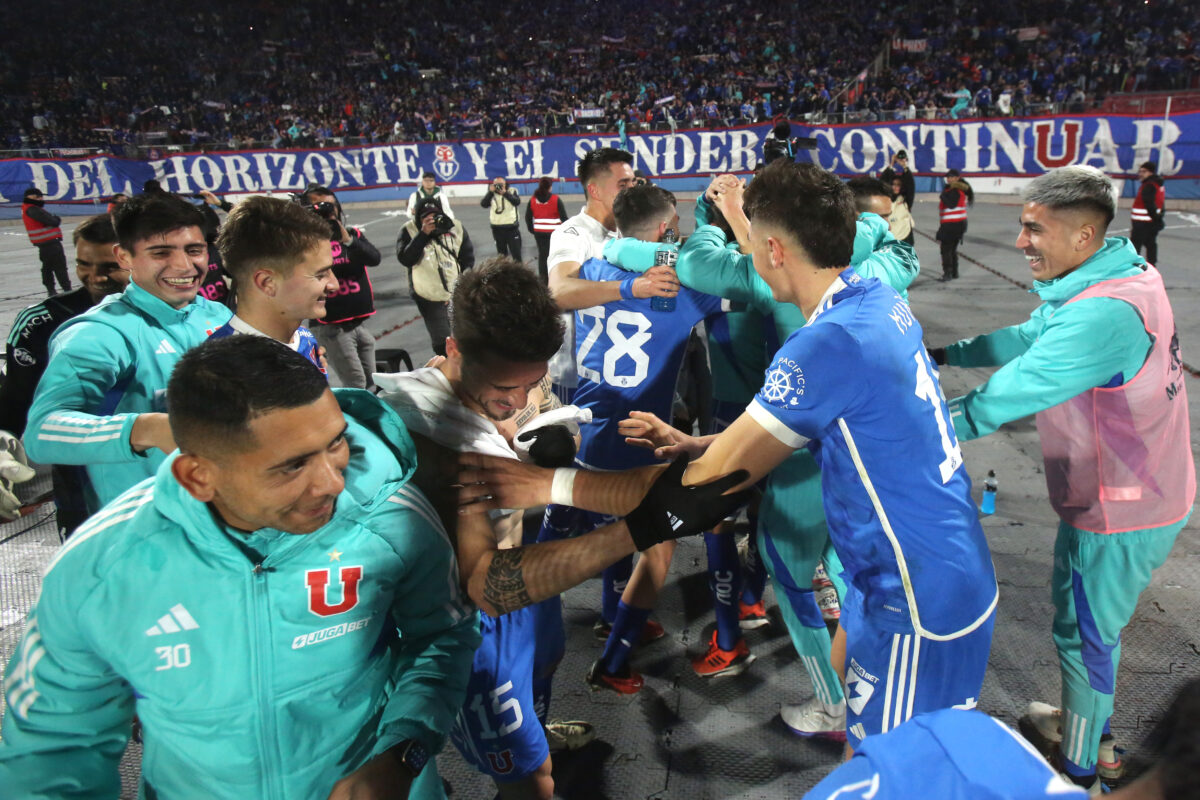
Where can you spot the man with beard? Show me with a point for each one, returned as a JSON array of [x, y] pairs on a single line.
[[485, 398]]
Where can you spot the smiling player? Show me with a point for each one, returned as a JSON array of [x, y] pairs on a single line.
[[101, 401], [280, 258]]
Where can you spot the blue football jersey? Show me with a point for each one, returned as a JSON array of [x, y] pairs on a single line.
[[857, 382], [948, 755], [628, 356], [303, 342], [308, 347]]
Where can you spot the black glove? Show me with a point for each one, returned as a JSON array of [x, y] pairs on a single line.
[[937, 355], [551, 446], [671, 510]]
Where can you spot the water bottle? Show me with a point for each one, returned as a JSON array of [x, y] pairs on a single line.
[[989, 493], [666, 255]]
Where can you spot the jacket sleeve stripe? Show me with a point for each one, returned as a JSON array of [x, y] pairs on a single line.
[[415, 501], [79, 439], [72, 422], [112, 426], [19, 688], [104, 519]]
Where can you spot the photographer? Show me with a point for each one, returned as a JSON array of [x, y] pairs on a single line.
[[779, 143], [350, 347], [898, 169], [502, 202], [436, 249], [215, 286]]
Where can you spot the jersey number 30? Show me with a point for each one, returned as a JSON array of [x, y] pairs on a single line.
[[622, 346]]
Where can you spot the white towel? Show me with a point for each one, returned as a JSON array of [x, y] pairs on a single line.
[[424, 400]]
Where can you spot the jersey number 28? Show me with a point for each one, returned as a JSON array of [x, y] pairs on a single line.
[[622, 346]]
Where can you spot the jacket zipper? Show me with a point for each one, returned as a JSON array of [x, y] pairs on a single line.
[[268, 738]]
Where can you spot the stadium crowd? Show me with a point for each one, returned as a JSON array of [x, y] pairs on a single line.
[[311, 73]]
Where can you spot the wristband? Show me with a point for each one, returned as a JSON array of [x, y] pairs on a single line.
[[562, 489], [627, 288]]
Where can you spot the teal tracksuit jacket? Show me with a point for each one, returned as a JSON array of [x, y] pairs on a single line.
[[707, 265], [1061, 351], [106, 366], [262, 665]]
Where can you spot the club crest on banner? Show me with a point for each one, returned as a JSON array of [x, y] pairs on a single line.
[[444, 163]]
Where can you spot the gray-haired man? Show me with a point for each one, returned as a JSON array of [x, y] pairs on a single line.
[[1099, 364]]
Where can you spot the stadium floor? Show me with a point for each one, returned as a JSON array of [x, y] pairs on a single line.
[[684, 737]]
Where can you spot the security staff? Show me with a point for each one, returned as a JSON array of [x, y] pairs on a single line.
[[545, 212], [952, 216], [46, 235], [1146, 216]]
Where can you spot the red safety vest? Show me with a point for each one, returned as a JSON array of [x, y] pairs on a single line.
[[1139, 212], [38, 233], [955, 213], [545, 215]]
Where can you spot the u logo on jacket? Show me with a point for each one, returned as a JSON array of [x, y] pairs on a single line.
[[317, 581]]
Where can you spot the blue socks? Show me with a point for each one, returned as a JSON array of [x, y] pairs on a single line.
[[612, 585], [725, 583], [627, 629], [1082, 775]]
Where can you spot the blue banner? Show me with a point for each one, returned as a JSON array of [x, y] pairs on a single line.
[[1115, 144], [1015, 148]]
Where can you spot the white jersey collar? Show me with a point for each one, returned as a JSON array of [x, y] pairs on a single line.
[[241, 326], [826, 300]]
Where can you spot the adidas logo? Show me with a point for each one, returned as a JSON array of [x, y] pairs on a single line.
[[176, 620], [858, 730], [675, 521], [164, 348]]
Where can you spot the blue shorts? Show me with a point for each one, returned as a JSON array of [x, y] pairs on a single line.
[[566, 522], [890, 677], [498, 730]]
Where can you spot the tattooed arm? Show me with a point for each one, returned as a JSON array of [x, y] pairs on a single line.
[[503, 580], [549, 400], [500, 581]]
